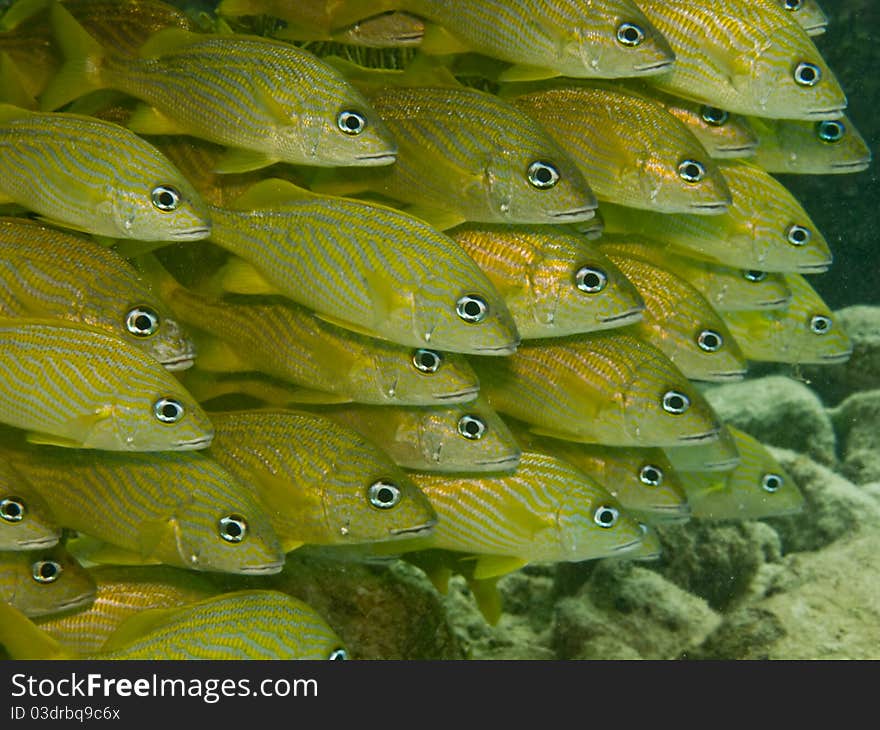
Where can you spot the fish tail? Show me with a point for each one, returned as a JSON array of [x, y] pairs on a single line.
[[83, 55], [23, 639]]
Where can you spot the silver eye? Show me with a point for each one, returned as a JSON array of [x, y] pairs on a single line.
[[542, 175], [771, 482], [754, 275], [142, 322], [605, 516], [46, 571], [233, 528], [651, 475], [807, 74], [710, 341], [629, 34], [165, 198], [12, 509], [471, 427], [351, 122], [383, 495], [792, 4], [798, 235], [168, 410], [820, 324], [830, 131], [691, 171], [675, 403], [427, 361], [590, 280], [472, 308], [338, 654], [714, 116]]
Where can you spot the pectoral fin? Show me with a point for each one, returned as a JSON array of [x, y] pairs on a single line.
[[491, 566]]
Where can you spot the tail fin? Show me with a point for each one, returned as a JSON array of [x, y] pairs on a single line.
[[23, 639]]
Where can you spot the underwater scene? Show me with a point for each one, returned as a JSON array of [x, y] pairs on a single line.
[[434, 329]]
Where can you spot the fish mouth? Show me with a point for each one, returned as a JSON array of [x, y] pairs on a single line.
[[633, 315], [202, 442], [814, 268], [418, 529], [584, 213], [646, 68], [627, 546], [738, 149], [459, 394], [838, 358], [831, 113], [39, 543], [728, 376], [774, 303], [180, 363], [512, 461], [499, 350], [380, 158], [855, 166], [701, 437], [190, 234], [264, 569], [716, 207], [670, 512], [76, 602]]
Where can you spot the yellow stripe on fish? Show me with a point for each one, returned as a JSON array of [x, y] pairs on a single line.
[[267, 98], [76, 386], [54, 274], [766, 228], [43, 582], [746, 57], [806, 331], [97, 177], [322, 483], [554, 283], [630, 148], [179, 509], [26, 522], [365, 267], [607, 387]]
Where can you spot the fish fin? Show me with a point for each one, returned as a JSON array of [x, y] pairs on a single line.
[[440, 576], [241, 277], [524, 72], [555, 433], [146, 119], [169, 40], [10, 112], [107, 554], [339, 322], [437, 41], [236, 159], [440, 219], [488, 598], [316, 397], [48, 439], [12, 86], [80, 72], [23, 639], [129, 248], [61, 224], [215, 355], [270, 193], [151, 533], [288, 546], [491, 566], [136, 626], [21, 11], [354, 181]]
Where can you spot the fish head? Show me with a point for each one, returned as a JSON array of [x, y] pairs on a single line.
[[48, 581], [789, 79], [721, 133], [704, 347], [26, 522], [835, 145], [612, 39], [148, 326], [470, 437], [590, 524], [661, 407], [420, 376], [646, 483], [166, 208], [807, 13], [682, 178], [367, 498]]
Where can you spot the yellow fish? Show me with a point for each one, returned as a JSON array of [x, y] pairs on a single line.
[[719, 455], [42, 582], [806, 12], [26, 522]]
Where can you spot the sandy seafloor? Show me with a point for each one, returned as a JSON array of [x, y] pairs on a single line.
[[805, 586]]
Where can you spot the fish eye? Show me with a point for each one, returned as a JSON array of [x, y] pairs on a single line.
[[830, 131], [165, 197], [771, 482], [820, 324], [590, 280], [675, 403], [714, 116], [471, 427], [338, 654], [629, 34], [798, 235], [383, 495], [605, 516], [472, 308], [232, 528], [793, 4], [542, 175], [427, 361], [351, 122], [691, 171], [142, 321], [168, 410], [651, 475], [754, 275], [12, 509], [710, 341], [807, 74], [46, 571]]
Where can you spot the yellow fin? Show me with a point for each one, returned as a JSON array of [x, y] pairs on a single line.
[[136, 626], [488, 598], [12, 86], [48, 439], [236, 159], [152, 532], [288, 546], [440, 219], [240, 277], [339, 322], [351, 181], [271, 193], [107, 554], [21, 11], [129, 248], [149, 120], [80, 72], [61, 224], [169, 40], [438, 41], [316, 397], [10, 112], [524, 72], [491, 566], [215, 355], [440, 576], [23, 639]]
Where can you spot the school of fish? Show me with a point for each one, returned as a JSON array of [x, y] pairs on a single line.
[[402, 279]]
